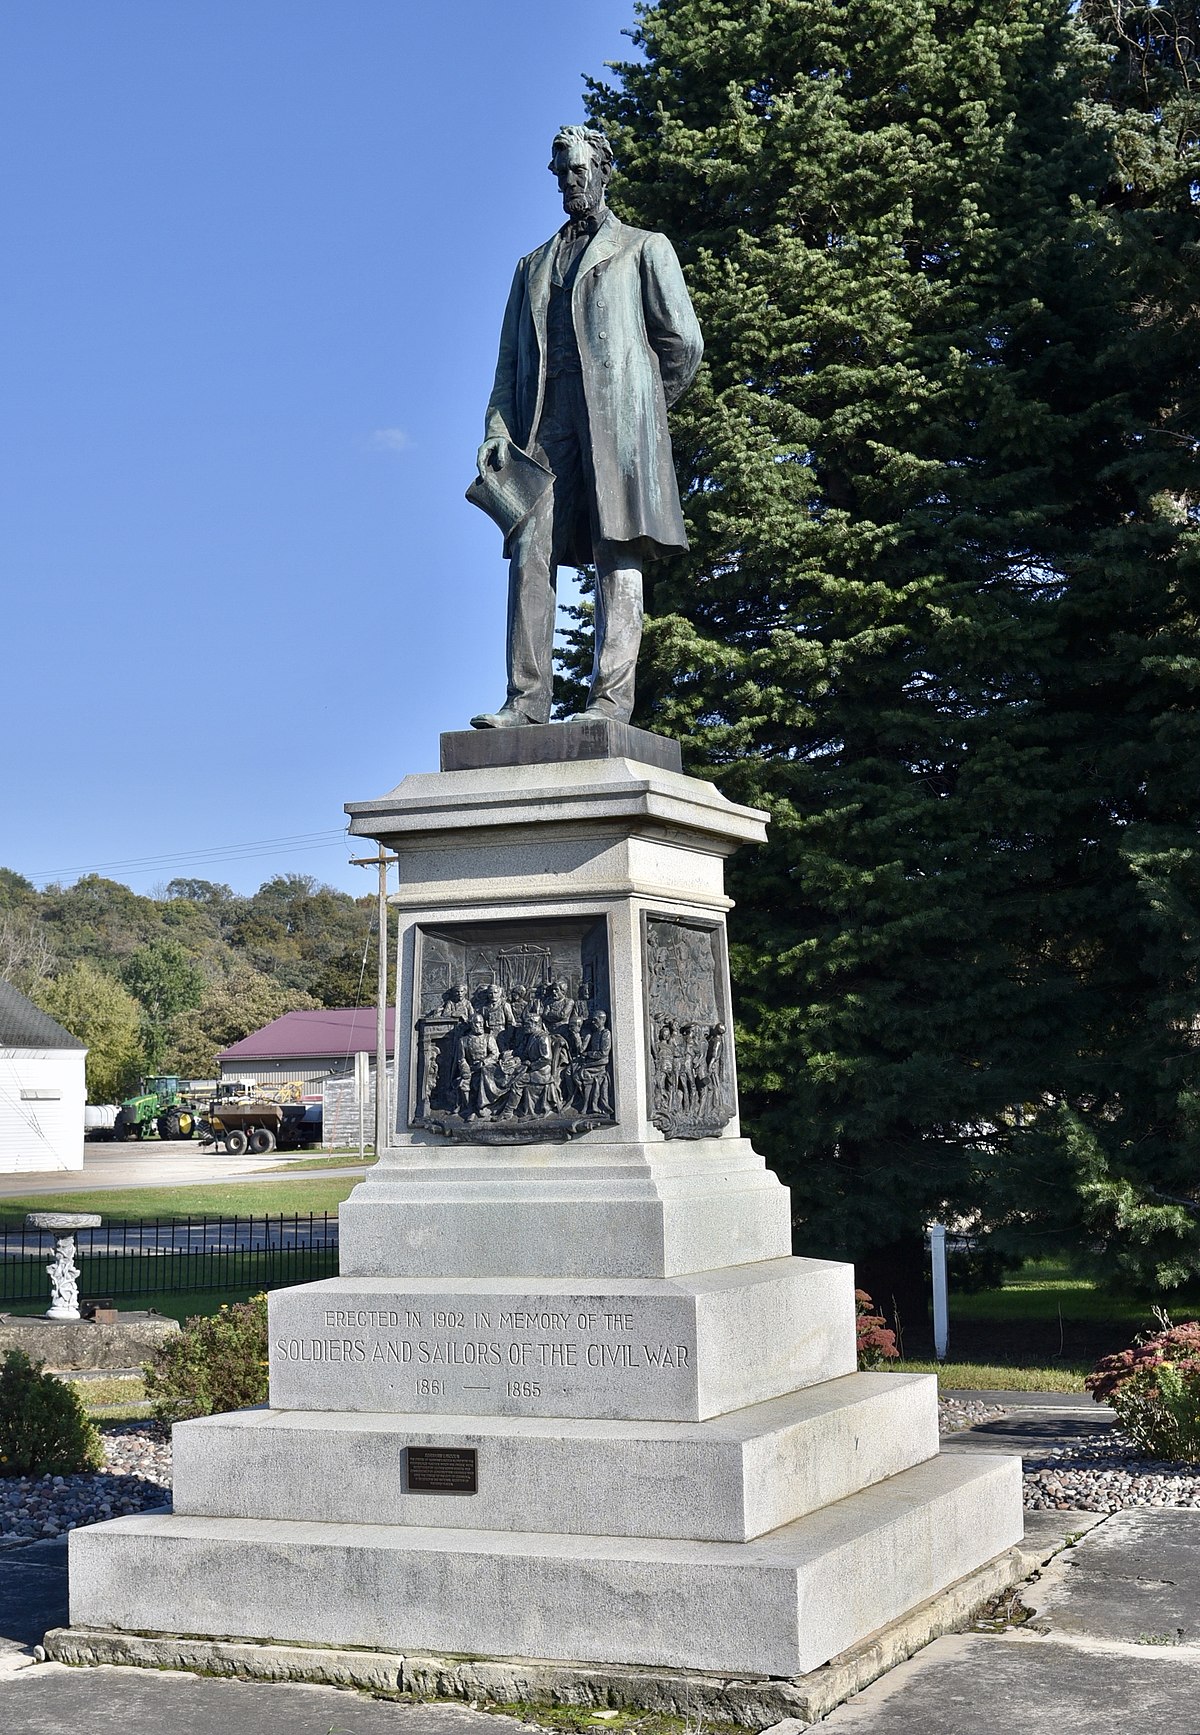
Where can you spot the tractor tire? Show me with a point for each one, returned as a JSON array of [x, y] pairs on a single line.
[[187, 1124], [262, 1141], [235, 1142], [120, 1130], [168, 1124]]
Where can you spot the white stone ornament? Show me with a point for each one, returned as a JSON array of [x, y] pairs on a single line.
[[62, 1270]]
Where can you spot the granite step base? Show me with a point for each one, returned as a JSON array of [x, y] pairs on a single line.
[[759, 1467], [780, 1605]]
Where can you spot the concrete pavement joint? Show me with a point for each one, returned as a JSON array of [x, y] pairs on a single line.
[[1045, 1638]]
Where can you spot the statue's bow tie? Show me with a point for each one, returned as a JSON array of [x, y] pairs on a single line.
[[582, 226]]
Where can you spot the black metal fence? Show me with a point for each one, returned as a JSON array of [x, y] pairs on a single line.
[[164, 1256]]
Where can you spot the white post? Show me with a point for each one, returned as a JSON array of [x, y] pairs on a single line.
[[382, 1093], [362, 1076], [937, 1258], [382, 1115]]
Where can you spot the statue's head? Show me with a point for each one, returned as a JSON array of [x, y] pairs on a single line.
[[582, 159], [477, 1024], [599, 1019]]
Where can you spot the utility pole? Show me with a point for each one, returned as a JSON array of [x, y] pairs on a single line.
[[382, 1094]]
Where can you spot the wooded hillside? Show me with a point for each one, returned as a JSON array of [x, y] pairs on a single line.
[[160, 983]]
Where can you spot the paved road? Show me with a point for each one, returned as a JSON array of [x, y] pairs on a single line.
[[1033, 1432], [1113, 1646], [212, 1235], [175, 1163]]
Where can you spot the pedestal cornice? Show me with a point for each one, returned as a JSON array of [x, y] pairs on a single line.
[[634, 796]]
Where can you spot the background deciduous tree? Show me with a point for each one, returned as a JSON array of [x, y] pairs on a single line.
[[204, 965], [165, 982], [26, 956], [240, 1002], [104, 1015]]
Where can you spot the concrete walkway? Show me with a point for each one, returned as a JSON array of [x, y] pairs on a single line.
[[174, 1163], [56, 1700], [1113, 1645]]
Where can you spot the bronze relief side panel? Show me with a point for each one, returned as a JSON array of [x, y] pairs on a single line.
[[687, 1027]]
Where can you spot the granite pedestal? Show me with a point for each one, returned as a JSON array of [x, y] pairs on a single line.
[[570, 1396]]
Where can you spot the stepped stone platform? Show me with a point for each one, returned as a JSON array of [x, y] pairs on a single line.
[[570, 1397]]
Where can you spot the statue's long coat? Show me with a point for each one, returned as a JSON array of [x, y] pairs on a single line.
[[639, 348]]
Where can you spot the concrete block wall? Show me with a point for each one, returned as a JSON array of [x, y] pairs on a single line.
[[340, 1110]]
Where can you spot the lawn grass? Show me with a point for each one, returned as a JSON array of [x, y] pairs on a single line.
[[100, 1277], [346, 1160], [266, 1198], [1047, 1320], [126, 1394], [1043, 1291], [991, 1376]]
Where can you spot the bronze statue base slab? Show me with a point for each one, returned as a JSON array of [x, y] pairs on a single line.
[[554, 743]]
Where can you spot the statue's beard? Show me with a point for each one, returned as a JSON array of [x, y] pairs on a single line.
[[580, 205]]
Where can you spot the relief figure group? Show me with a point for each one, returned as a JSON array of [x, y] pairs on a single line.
[[689, 1073], [519, 1053]]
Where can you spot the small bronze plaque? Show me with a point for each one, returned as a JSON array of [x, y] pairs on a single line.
[[442, 1470]]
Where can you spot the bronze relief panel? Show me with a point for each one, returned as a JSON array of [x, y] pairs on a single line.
[[513, 1030]]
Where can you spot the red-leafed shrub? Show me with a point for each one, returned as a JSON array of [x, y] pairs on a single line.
[[1154, 1387], [876, 1341]]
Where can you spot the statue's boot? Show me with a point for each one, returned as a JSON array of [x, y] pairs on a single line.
[[604, 714], [505, 718]]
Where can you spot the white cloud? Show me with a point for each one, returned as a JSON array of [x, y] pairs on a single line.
[[391, 440]]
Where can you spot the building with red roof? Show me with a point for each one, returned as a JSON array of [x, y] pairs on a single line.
[[306, 1046]]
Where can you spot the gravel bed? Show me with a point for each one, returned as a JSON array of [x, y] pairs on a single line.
[[954, 1414], [1106, 1473], [136, 1474]]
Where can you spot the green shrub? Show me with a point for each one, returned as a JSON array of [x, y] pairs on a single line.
[[1154, 1387], [44, 1428], [218, 1362]]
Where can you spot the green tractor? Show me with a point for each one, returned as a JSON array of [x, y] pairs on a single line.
[[159, 1106]]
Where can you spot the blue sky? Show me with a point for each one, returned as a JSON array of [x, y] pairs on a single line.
[[255, 257]]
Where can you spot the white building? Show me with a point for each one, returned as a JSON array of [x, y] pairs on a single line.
[[42, 1089]]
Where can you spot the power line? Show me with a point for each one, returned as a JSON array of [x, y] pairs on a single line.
[[194, 858], [298, 837]]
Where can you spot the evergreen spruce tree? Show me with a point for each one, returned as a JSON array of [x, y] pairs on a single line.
[[934, 554]]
